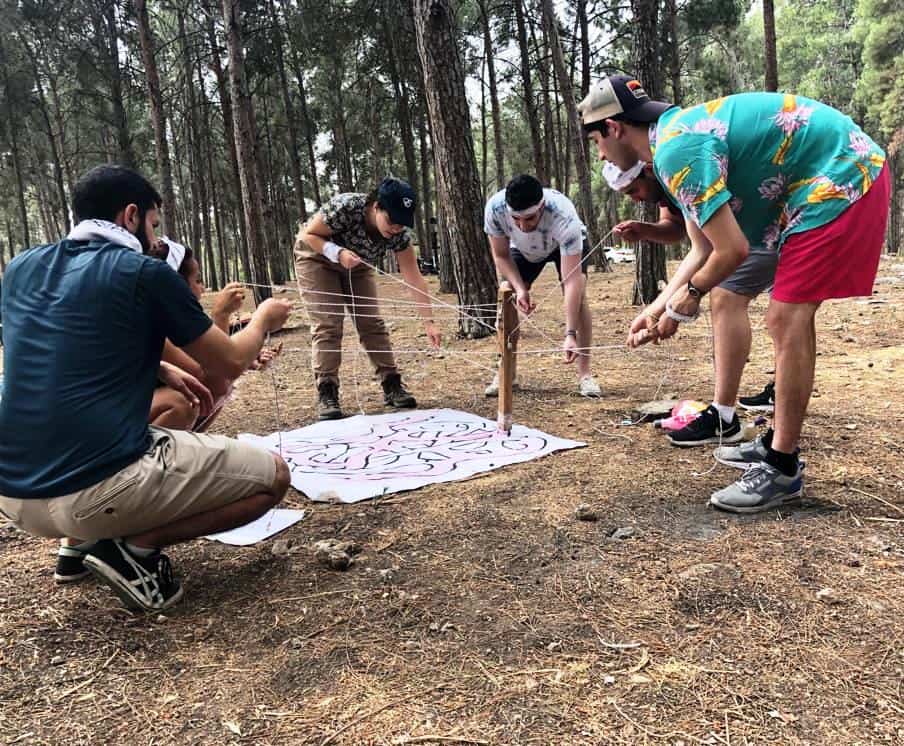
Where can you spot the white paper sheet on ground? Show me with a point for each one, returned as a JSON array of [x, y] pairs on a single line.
[[370, 455], [270, 524]]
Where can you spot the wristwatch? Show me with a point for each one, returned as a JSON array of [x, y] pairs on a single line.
[[694, 291]]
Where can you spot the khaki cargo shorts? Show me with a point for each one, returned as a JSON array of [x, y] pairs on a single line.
[[181, 475]]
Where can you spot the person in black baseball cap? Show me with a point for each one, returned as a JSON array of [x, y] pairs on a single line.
[[337, 254], [616, 112], [398, 199]]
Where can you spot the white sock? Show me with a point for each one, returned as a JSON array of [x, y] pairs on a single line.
[[140, 551], [725, 412]]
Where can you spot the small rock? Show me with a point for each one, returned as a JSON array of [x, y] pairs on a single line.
[[162, 619], [584, 512], [608, 679], [827, 596], [620, 534], [280, 548], [57, 660], [339, 560], [388, 575], [296, 642], [851, 426]]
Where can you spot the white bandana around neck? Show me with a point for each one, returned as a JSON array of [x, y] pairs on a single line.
[[104, 230]]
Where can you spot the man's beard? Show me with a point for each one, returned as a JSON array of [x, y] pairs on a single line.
[[142, 235]]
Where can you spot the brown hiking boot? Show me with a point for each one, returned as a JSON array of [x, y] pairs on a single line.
[[328, 401], [395, 395]]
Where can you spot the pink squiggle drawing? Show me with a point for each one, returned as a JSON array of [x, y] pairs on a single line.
[[418, 446]]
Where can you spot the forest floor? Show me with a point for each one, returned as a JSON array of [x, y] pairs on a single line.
[[504, 619]]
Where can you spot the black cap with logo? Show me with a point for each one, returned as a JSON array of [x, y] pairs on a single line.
[[398, 199]]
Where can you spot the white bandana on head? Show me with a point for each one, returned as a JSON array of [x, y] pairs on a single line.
[[176, 253], [104, 230], [527, 212], [618, 179]]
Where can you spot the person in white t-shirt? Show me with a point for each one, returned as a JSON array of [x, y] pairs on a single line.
[[529, 227]]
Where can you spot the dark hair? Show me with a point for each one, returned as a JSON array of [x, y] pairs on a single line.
[[108, 189], [600, 125], [184, 266], [523, 191]]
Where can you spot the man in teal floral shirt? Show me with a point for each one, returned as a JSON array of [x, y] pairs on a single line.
[[757, 169]]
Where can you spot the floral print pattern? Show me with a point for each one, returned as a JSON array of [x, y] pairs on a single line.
[[782, 163], [344, 215]]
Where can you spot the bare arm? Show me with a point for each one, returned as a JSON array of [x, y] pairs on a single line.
[[505, 267], [229, 357], [573, 290], [315, 233], [418, 288], [669, 229], [175, 356]]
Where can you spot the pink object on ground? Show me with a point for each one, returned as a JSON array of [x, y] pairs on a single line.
[[683, 413]]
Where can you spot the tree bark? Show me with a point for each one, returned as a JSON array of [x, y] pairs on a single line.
[[578, 142], [456, 175], [120, 120], [530, 104], [291, 127], [649, 267], [158, 117], [769, 44], [494, 94], [245, 140], [306, 121]]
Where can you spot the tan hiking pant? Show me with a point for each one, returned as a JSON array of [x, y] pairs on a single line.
[[327, 290]]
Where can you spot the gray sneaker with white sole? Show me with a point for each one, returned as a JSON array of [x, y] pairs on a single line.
[[762, 487], [741, 455]]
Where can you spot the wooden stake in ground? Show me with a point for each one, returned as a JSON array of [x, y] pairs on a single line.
[[508, 320]]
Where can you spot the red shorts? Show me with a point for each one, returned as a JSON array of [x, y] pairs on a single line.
[[839, 259]]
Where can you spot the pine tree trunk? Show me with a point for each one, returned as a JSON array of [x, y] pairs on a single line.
[[306, 121], [494, 94], [769, 43], [578, 142], [530, 104], [111, 34], [191, 137], [291, 126], [649, 267], [158, 118], [234, 198], [456, 176], [245, 140], [427, 247], [674, 56]]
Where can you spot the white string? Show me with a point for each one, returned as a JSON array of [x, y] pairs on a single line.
[[458, 308], [562, 282], [354, 312]]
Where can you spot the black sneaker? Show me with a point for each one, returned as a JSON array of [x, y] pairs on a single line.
[[143, 583], [328, 401], [70, 566], [395, 395], [762, 402], [707, 428]]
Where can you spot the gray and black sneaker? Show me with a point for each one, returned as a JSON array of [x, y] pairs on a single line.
[[762, 402], [70, 565], [395, 395], [762, 487], [741, 456], [143, 583], [709, 427], [328, 401]]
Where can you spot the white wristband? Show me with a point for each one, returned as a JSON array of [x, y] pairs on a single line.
[[331, 251], [679, 317]]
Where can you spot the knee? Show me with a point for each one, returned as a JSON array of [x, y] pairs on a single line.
[[281, 480], [179, 413], [724, 302]]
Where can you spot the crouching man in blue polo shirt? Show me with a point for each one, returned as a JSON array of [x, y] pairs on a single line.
[[85, 320]]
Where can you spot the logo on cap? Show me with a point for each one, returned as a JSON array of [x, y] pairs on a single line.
[[407, 201], [636, 89]]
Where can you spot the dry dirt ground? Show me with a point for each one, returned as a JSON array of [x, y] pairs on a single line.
[[505, 619]]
